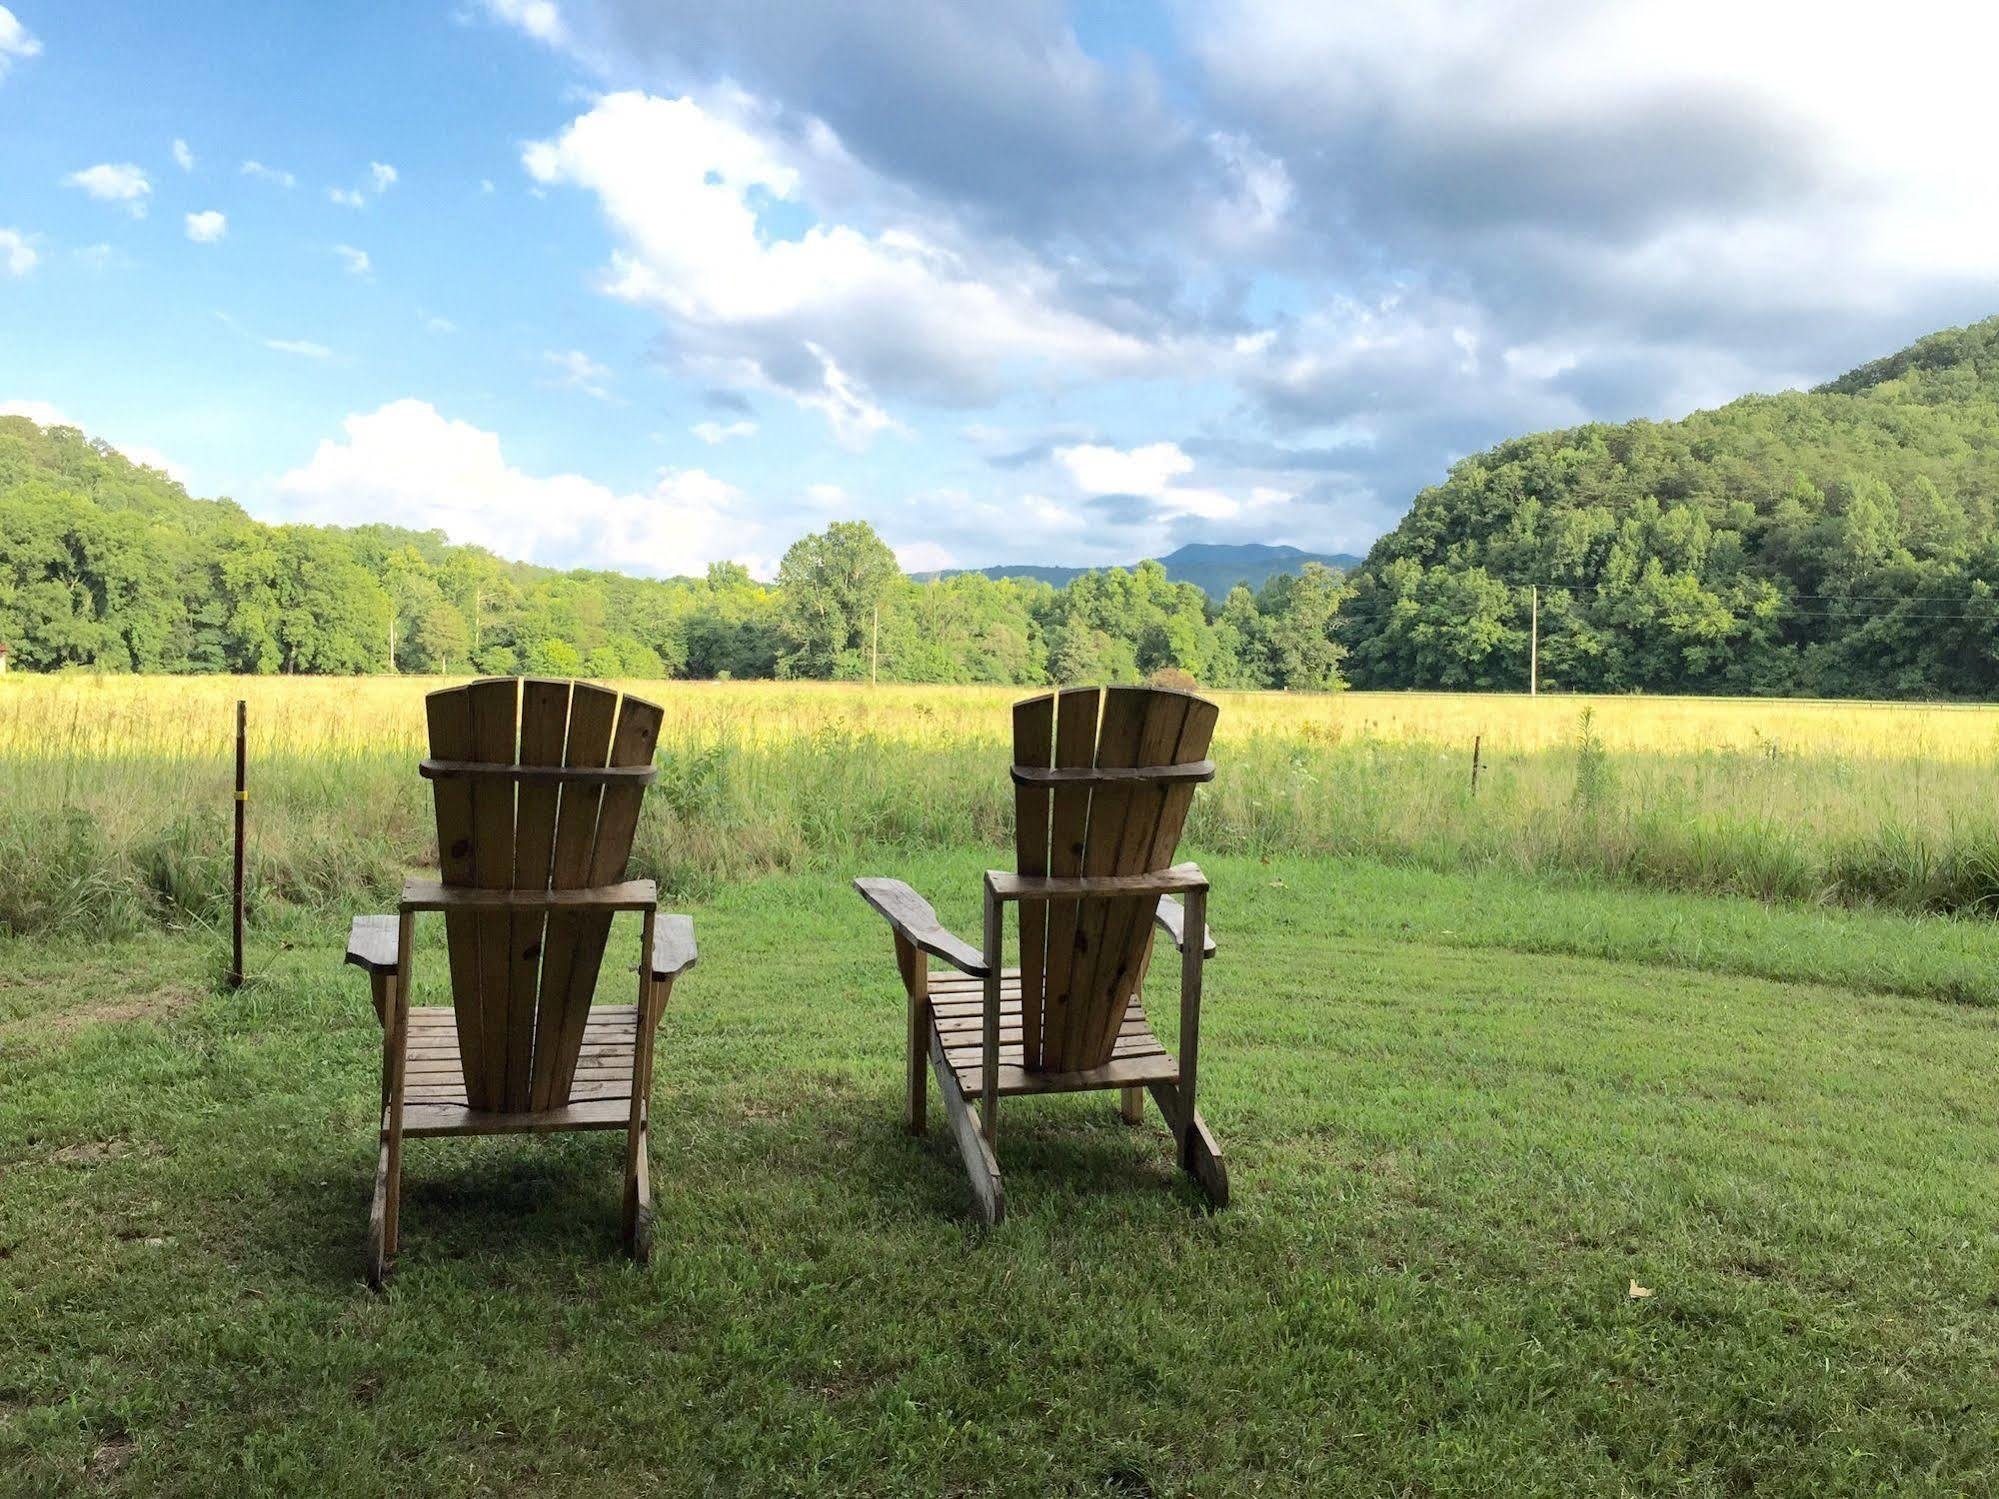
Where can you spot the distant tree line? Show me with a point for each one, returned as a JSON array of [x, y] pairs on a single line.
[[107, 565], [1840, 542]]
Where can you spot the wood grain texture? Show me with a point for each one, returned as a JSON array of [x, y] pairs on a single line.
[[914, 920], [449, 716], [1118, 743], [673, 950], [633, 742], [1033, 748], [371, 943], [1138, 775], [1128, 921], [544, 733], [593, 712], [1076, 713], [627, 895], [1172, 918], [1170, 881], [530, 773], [495, 724]]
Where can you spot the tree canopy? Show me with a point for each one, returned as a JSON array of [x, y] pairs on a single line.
[[110, 566], [1837, 542]]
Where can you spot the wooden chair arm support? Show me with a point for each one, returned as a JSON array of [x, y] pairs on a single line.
[[1171, 915], [672, 946], [373, 943], [429, 895], [1007, 886], [915, 921]]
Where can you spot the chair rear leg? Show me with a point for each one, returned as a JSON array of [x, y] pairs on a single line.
[[1131, 1105], [384, 1214]]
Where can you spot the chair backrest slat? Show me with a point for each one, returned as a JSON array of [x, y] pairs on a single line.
[[1033, 745], [1069, 820], [449, 715], [544, 732], [593, 713], [495, 740], [522, 981], [1092, 959], [632, 743]]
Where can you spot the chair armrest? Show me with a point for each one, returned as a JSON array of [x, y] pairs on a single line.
[[374, 943], [1170, 914], [915, 921], [672, 946]]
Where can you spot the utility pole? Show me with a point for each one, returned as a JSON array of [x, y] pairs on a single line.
[[875, 649], [1534, 644]]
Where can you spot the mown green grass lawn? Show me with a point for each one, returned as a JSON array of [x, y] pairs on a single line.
[[1462, 1117]]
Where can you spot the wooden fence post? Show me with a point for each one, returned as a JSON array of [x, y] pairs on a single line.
[[242, 808], [1474, 762]]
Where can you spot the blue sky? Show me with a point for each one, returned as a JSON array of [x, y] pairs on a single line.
[[644, 283]]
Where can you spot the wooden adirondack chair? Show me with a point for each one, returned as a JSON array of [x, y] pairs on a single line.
[[537, 788], [1103, 779]]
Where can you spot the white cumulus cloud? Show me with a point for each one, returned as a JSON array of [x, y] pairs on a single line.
[[274, 175], [578, 371], [714, 433], [15, 40], [407, 463], [17, 256], [304, 348], [183, 155], [347, 197], [41, 413], [538, 18], [207, 227], [115, 182], [1150, 473], [829, 316], [356, 261], [381, 176]]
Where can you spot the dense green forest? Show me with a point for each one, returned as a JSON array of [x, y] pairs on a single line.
[[1837, 542], [1834, 542], [111, 566]]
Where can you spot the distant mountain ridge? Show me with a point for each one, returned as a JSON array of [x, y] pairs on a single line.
[[1213, 569]]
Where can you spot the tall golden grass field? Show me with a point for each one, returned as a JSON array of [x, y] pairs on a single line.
[[117, 789]]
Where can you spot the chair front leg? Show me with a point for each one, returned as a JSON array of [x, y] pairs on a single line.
[[638, 1168], [384, 1216], [1191, 961], [989, 1070], [914, 966]]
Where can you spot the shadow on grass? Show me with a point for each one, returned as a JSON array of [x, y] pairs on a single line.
[[502, 1210], [491, 1206]]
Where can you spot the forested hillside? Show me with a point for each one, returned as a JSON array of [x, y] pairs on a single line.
[[109, 566], [1837, 542]]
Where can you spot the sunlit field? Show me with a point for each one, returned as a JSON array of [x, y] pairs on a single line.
[[117, 800]]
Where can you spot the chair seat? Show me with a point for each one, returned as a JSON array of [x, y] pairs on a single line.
[[957, 1019], [434, 1101]]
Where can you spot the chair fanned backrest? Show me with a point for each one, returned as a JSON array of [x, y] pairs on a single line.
[[521, 981], [1082, 961]]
